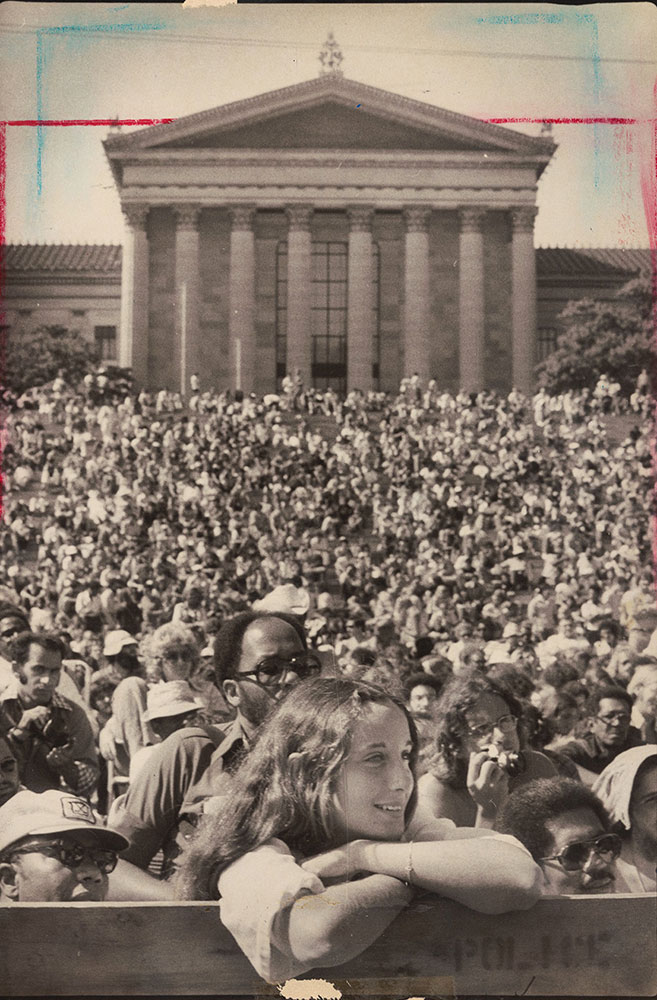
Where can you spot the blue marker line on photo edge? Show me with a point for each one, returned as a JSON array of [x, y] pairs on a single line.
[[591, 21], [64, 29]]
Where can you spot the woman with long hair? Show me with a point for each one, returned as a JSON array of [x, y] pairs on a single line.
[[327, 795], [479, 757]]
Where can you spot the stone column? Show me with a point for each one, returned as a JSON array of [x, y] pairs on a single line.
[[417, 308], [133, 333], [523, 297], [299, 289], [241, 298], [360, 299], [187, 295], [471, 300]]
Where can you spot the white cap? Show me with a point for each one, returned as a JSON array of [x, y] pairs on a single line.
[[171, 698], [116, 640], [28, 814]]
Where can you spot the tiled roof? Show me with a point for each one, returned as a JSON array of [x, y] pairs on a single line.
[[551, 262], [598, 262], [627, 260], [60, 257]]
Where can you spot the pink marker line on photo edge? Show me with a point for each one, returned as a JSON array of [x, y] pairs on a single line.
[[3, 220]]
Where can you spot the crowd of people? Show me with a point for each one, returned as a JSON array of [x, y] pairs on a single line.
[[401, 642]]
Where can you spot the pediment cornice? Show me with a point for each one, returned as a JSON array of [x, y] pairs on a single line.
[[335, 89]]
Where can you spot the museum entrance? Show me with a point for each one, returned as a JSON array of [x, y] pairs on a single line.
[[328, 315]]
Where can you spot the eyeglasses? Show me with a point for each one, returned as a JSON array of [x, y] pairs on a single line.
[[620, 718], [271, 669], [573, 857], [72, 855], [506, 724]]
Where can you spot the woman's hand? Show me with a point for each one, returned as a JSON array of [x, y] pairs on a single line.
[[488, 784], [341, 862]]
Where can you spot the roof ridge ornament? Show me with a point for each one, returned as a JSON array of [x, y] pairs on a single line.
[[330, 57]]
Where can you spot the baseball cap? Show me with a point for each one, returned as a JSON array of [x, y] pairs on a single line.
[[116, 640], [28, 814], [170, 698]]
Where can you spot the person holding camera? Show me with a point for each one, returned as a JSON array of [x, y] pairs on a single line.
[[479, 757], [51, 737]]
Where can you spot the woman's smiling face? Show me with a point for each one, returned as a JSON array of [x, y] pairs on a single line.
[[376, 781]]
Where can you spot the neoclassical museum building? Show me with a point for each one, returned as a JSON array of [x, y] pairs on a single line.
[[334, 228], [330, 227]]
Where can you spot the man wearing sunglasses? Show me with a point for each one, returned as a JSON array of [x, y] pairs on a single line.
[[566, 829], [53, 849], [258, 657]]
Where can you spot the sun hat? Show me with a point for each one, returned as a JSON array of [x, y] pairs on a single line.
[[170, 698], [28, 814], [116, 640]]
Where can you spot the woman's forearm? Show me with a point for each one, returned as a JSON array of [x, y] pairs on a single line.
[[131, 884], [329, 928], [487, 874]]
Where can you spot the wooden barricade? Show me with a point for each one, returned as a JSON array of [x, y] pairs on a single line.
[[568, 946]]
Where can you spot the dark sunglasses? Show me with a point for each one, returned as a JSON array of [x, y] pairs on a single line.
[[575, 856], [271, 669], [72, 855]]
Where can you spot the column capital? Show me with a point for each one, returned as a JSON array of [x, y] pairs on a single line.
[[470, 219], [299, 217], [360, 218], [242, 216], [416, 218], [523, 218], [135, 215], [187, 216]]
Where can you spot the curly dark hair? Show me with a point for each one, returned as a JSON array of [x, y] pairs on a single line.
[[449, 760], [528, 808]]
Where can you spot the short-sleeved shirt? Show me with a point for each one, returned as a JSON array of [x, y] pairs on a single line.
[[162, 804]]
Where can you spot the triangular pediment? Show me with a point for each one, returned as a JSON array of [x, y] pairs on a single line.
[[330, 112], [326, 126]]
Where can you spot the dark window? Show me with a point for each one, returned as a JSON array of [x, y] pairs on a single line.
[[105, 337], [328, 314], [547, 341], [78, 312]]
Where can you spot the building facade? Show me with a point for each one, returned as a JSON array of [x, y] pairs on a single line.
[[70, 286], [331, 228]]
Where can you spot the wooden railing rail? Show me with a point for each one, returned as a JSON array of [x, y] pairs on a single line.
[[567, 946]]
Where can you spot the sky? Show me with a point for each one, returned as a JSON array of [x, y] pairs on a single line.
[[67, 60]]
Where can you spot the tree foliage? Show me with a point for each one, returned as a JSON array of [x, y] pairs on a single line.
[[614, 339], [34, 357]]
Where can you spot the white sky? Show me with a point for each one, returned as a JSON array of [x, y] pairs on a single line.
[[151, 61]]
